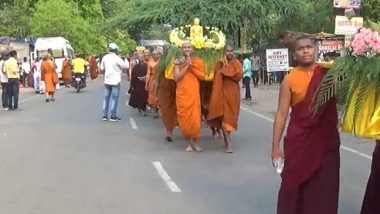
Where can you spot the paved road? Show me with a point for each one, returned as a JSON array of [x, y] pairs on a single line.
[[61, 158]]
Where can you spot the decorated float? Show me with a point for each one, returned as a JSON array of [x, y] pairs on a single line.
[[354, 79], [208, 43]]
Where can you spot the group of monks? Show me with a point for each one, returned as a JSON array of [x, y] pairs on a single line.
[[67, 69], [178, 94]]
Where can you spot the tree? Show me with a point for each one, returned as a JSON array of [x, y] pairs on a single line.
[[60, 18], [245, 17]]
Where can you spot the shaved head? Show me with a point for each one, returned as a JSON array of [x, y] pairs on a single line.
[[187, 48]]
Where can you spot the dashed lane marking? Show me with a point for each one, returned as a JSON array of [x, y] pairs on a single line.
[[133, 123], [166, 178]]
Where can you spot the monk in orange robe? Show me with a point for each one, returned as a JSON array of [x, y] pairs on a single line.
[[94, 70], [147, 56], [310, 176], [225, 97], [66, 72], [151, 81], [48, 72], [188, 72], [166, 94]]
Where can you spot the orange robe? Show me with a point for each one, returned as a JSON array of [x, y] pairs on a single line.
[[167, 102], [66, 72], [47, 71], [93, 68], [188, 99], [152, 98], [225, 97]]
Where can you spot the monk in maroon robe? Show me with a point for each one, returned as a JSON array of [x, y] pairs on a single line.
[[371, 203], [310, 177]]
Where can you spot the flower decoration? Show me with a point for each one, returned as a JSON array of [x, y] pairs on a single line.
[[366, 43], [354, 80], [215, 39]]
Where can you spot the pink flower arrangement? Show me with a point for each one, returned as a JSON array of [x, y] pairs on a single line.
[[366, 43]]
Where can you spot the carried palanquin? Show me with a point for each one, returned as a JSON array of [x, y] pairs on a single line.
[[207, 41], [354, 80]]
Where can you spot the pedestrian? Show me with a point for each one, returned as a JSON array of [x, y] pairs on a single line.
[[188, 72], [147, 56], [247, 73], [25, 68], [94, 70], [255, 67], [37, 76], [151, 81], [310, 177], [225, 97], [12, 71], [132, 63], [372, 194], [166, 95], [48, 71], [139, 94], [112, 66], [4, 82], [66, 72]]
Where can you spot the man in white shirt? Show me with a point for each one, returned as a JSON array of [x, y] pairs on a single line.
[[4, 82], [37, 76], [112, 66], [25, 68]]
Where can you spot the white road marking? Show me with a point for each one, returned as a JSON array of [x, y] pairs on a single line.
[[272, 120], [167, 179], [133, 123], [356, 152]]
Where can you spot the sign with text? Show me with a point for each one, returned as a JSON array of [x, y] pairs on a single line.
[[346, 26], [330, 46], [277, 60], [152, 42], [348, 4]]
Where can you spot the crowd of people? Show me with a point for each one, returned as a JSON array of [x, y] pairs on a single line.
[[310, 176], [310, 155], [41, 74]]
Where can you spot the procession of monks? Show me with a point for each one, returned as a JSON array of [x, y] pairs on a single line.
[[310, 176], [177, 94]]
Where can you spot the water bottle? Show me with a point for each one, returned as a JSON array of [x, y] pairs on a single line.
[[279, 164]]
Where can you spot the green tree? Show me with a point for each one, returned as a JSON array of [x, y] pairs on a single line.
[[241, 18], [60, 18]]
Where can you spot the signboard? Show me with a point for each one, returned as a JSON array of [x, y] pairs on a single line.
[[277, 60], [347, 4], [347, 40], [152, 42], [330, 46], [346, 26]]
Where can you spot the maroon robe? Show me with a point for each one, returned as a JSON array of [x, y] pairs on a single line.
[[310, 180], [371, 200], [139, 96]]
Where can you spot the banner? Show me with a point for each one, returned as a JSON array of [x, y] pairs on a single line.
[[346, 26], [330, 46], [277, 60], [347, 4], [152, 42]]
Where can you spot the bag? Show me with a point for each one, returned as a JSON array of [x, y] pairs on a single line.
[[55, 78]]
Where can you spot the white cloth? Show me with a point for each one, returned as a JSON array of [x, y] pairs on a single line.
[[25, 66], [3, 76], [113, 66]]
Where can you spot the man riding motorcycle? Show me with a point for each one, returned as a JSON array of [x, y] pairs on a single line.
[[79, 69]]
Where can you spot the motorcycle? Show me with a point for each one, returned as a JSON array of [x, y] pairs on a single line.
[[78, 81]]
